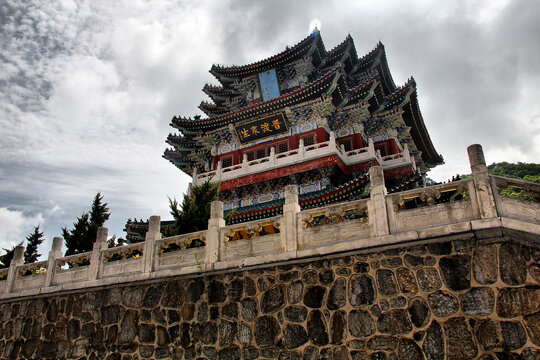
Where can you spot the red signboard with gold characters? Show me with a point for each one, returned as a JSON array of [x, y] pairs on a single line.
[[261, 128]]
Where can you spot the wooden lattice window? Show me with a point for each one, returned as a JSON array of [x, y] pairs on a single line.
[[250, 155], [282, 147], [226, 161], [261, 153], [308, 139]]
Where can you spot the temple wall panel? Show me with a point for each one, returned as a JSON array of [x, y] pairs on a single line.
[[453, 212]]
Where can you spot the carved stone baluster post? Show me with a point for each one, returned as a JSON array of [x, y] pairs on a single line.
[[371, 147], [406, 153], [213, 235], [195, 175], [377, 206], [149, 251], [244, 163], [289, 229], [12, 272], [55, 253], [219, 170], [95, 259], [301, 151], [272, 159], [332, 140], [484, 193]]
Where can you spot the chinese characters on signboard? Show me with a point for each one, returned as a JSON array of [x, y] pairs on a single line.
[[261, 128]]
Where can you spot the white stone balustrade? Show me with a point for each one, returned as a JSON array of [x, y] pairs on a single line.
[[306, 153], [381, 220]]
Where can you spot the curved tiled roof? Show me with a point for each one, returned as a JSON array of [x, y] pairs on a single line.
[[300, 49], [313, 89]]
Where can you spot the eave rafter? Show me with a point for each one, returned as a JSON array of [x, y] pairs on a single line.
[[313, 90]]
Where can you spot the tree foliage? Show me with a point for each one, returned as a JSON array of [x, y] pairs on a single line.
[[194, 212], [33, 241], [115, 241], [5, 260], [522, 171], [81, 238]]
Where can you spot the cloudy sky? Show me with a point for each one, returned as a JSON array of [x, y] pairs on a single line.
[[88, 88]]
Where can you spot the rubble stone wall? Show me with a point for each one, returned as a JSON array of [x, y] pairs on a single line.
[[459, 299]]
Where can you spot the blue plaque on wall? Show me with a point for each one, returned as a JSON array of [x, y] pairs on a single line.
[[269, 85]]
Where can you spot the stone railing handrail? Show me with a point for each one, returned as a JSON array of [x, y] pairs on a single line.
[[392, 156], [252, 223], [503, 182], [33, 267], [287, 153], [191, 235], [178, 239], [74, 260], [303, 153], [124, 249], [317, 146], [335, 207], [357, 151], [296, 234], [451, 186]]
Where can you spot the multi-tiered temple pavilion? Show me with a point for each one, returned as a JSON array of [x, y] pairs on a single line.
[[306, 116]]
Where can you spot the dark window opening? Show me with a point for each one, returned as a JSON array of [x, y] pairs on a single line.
[[261, 153], [347, 144], [309, 139], [226, 161], [382, 149], [282, 147]]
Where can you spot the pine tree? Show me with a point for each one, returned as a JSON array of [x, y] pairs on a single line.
[[99, 212], [83, 235], [33, 241], [77, 240], [5, 260], [194, 212], [98, 215]]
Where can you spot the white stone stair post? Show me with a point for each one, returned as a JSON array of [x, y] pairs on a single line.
[[55, 253], [95, 259], [213, 235], [378, 217], [17, 261], [149, 251], [288, 229], [484, 193]]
